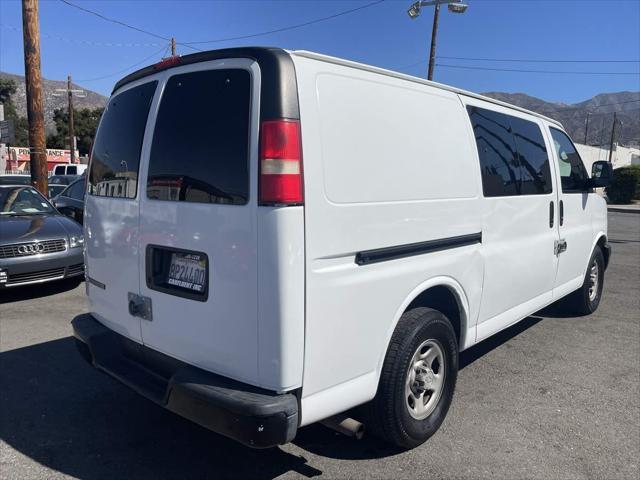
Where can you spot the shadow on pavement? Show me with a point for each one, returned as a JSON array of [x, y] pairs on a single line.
[[28, 292], [480, 349], [57, 410]]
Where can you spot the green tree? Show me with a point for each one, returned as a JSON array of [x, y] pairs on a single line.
[[85, 125], [20, 124]]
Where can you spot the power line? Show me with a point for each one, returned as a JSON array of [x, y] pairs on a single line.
[[90, 43], [154, 54], [122, 24], [535, 61], [467, 67], [290, 27]]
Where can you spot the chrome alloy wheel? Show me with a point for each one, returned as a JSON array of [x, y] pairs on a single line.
[[593, 280], [425, 379]]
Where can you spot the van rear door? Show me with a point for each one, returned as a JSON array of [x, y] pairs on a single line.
[[198, 215], [112, 208]]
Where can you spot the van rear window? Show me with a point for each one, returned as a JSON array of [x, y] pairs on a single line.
[[116, 151], [200, 149]]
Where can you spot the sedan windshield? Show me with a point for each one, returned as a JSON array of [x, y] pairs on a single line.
[[20, 200]]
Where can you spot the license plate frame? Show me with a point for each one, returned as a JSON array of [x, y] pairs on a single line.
[[161, 277], [187, 270]]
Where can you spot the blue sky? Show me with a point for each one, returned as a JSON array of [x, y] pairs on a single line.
[[77, 43]]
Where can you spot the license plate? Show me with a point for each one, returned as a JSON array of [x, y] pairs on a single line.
[[188, 270]]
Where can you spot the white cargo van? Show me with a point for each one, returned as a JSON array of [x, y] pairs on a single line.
[[275, 237], [69, 169]]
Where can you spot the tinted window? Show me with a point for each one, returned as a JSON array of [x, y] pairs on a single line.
[[116, 151], [72, 170], [15, 180], [573, 175], [201, 140], [535, 173], [75, 190], [497, 152]]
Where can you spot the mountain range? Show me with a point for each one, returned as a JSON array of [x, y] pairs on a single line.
[[598, 109], [51, 101]]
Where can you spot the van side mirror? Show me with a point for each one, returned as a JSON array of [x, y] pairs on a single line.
[[601, 174]]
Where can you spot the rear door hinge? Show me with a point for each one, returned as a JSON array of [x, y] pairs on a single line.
[[559, 246]]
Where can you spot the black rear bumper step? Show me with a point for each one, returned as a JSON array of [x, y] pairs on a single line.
[[253, 416]]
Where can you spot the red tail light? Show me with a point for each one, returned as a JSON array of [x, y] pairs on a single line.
[[280, 163]]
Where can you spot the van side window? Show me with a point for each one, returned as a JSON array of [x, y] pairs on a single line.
[[513, 155], [573, 175], [116, 151], [72, 170], [535, 172], [200, 149], [497, 152]]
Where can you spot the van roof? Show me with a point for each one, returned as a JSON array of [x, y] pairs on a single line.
[[273, 58], [411, 78]]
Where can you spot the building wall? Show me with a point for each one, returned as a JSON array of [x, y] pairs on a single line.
[[622, 156]]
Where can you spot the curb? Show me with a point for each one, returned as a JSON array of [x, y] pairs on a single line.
[[623, 210]]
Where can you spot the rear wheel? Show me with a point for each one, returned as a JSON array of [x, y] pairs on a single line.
[[417, 381], [586, 299]]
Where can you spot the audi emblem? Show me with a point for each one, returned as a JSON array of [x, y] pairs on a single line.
[[31, 248]]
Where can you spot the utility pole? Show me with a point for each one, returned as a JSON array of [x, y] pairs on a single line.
[[70, 91], [72, 135], [586, 129], [613, 133], [173, 47], [35, 104], [434, 35]]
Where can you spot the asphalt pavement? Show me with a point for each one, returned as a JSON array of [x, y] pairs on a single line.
[[550, 398]]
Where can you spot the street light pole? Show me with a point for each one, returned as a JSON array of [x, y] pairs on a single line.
[[434, 34], [455, 6]]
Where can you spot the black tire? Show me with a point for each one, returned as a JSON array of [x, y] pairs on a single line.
[[388, 415], [580, 301]]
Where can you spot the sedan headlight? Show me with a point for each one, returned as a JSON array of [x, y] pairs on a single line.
[[76, 241]]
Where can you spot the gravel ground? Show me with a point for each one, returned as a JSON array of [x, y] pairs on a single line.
[[551, 397]]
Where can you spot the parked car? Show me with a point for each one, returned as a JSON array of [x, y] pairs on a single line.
[[315, 235], [69, 169], [57, 183], [70, 201], [37, 244], [15, 179]]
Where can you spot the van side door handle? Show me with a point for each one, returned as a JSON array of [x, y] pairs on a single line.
[[561, 212], [551, 214]]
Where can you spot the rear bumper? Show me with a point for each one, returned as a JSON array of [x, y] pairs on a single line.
[[255, 417]]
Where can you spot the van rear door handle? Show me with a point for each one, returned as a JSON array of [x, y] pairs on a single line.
[[561, 212], [551, 214]]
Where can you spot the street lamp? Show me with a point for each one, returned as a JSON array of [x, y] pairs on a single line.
[[455, 6]]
